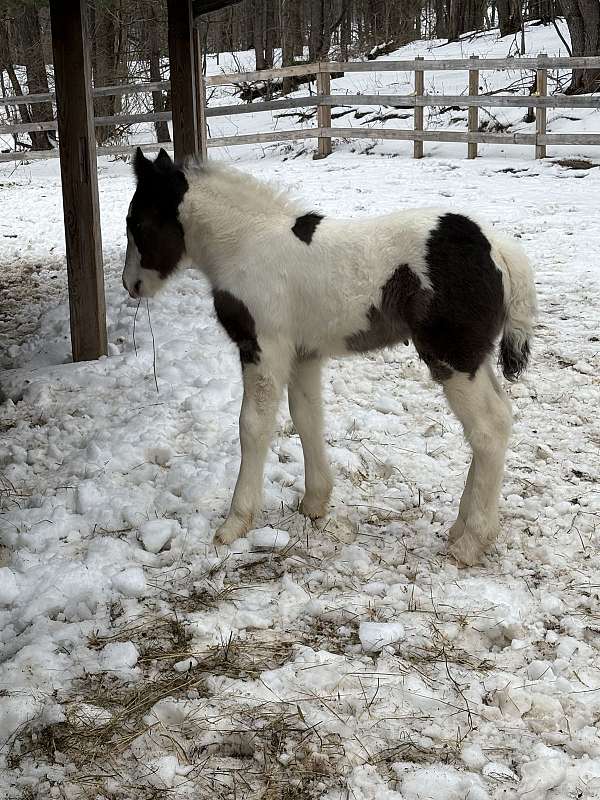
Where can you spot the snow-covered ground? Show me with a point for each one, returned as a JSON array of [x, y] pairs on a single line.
[[350, 660]]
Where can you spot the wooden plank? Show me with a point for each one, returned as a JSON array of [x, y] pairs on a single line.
[[583, 62], [272, 105], [72, 75], [200, 97], [24, 127], [132, 88], [418, 113], [323, 114], [263, 74], [183, 88], [102, 91], [433, 136], [540, 115], [112, 150], [473, 110], [569, 138], [129, 119], [114, 119], [272, 136], [461, 100]]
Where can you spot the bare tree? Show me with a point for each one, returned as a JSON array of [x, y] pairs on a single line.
[[510, 16], [583, 21]]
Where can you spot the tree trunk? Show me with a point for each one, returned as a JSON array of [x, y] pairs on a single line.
[[35, 70], [104, 63], [270, 33], [346, 31], [315, 41], [441, 20], [509, 16], [464, 16], [39, 140], [287, 41], [583, 21], [158, 100], [258, 32]]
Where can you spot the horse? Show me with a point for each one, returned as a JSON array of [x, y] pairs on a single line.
[[292, 288]]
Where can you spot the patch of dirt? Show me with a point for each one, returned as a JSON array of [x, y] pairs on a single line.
[[575, 163]]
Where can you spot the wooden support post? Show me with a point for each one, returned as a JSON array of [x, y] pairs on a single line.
[[183, 84], [540, 115], [200, 97], [419, 92], [323, 115], [473, 110], [77, 147]]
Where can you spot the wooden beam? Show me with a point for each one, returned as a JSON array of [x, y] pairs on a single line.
[[200, 97], [541, 85], [323, 115], [75, 111], [418, 118], [183, 84], [473, 111]]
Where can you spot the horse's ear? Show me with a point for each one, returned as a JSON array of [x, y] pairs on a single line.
[[163, 159], [141, 165]]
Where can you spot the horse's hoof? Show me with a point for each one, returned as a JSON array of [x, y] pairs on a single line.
[[313, 507], [456, 531], [233, 528], [467, 548]]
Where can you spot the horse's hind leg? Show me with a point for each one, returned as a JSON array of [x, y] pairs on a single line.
[[306, 409], [483, 408]]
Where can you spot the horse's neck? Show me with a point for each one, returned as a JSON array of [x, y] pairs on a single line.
[[220, 215]]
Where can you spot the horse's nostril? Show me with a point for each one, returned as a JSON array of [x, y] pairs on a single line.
[[137, 287]]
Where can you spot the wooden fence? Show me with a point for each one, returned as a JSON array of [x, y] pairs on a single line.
[[323, 100]]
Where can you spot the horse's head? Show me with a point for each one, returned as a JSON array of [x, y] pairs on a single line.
[[155, 240]]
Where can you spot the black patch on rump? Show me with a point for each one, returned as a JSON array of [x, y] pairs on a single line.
[[305, 227], [239, 325], [466, 313], [153, 218], [453, 326]]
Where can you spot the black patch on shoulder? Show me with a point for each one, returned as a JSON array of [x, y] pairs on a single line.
[[305, 226], [239, 324], [466, 313], [153, 218]]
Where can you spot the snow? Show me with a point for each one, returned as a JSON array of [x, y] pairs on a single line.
[[268, 539], [157, 533], [375, 636], [202, 670]]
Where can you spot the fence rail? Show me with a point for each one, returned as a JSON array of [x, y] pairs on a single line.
[[323, 100]]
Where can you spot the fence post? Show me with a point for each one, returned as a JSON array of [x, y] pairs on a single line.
[[473, 110], [419, 92], [540, 117], [323, 113], [200, 96]]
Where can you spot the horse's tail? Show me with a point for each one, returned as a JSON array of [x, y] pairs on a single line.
[[519, 304]]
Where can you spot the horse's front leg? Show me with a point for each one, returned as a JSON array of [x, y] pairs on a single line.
[[263, 388], [306, 408]]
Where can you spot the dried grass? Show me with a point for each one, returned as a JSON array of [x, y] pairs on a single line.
[[263, 750]]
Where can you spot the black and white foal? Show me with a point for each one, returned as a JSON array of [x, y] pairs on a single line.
[[293, 288]]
